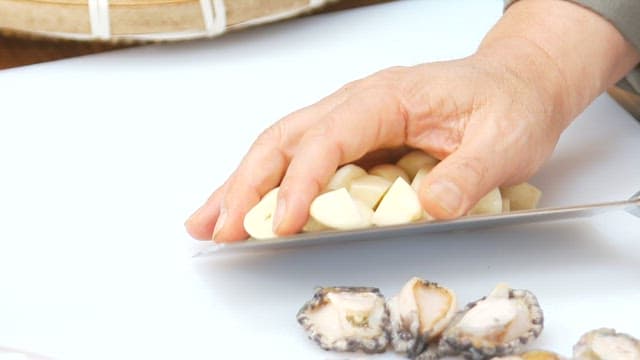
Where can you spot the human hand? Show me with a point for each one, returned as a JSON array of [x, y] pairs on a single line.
[[461, 111], [493, 118]]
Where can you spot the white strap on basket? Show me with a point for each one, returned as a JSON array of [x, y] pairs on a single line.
[[99, 18], [214, 15]]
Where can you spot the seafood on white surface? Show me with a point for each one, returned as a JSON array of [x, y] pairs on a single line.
[[419, 314], [347, 319], [606, 344], [500, 324]]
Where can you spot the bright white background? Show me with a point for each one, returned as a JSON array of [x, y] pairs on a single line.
[[103, 157]]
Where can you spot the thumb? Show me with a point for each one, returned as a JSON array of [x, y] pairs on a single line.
[[459, 181]]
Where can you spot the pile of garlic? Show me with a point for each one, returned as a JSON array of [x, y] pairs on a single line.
[[385, 195]]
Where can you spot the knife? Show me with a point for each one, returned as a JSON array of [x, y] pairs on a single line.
[[632, 206]]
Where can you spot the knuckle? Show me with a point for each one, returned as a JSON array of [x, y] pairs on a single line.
[[351, 87], [391, 83], [381, 84], [393, 72], [272, 136], [390, 76]]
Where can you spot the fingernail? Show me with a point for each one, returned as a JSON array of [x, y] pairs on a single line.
[[220, 223], [447, 195], [278, 217]]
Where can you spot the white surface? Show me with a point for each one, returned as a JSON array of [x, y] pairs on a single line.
[[103, 157]]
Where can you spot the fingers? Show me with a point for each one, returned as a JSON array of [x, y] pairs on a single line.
[[200, 224], [267, 161], [375, 119], [482, 144], [459, 181], [260, 171], [454, 185]]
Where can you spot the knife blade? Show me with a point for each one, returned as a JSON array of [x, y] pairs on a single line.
[[631, 206]]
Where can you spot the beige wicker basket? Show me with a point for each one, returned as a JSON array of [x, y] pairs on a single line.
[[141, 20]]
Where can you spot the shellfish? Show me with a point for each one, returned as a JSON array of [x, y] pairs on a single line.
[[497, 325], [418, 314], [606, 344], [346, 319]]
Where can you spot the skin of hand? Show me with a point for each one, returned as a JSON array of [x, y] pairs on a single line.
[[492, 118]]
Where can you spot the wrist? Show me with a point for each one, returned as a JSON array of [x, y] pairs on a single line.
[[535, 74], [572, 52]]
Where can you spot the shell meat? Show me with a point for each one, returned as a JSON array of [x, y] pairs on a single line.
[[347, 319], [606, 344], [497, 325], [532, 355], [418, 314]]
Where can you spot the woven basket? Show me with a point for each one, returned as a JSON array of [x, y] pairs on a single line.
[[143, 20]]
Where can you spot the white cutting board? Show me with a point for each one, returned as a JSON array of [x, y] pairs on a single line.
[[103, 157]]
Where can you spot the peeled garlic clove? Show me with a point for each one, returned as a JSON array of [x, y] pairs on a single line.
[[522, 196], [400, 205], [337, 210], [366, 213], [417, 179], [414, 161], [490, 204], [258, 222], [369, 189], [506, 205], [344, 176], [389, 171], [312, 225]]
